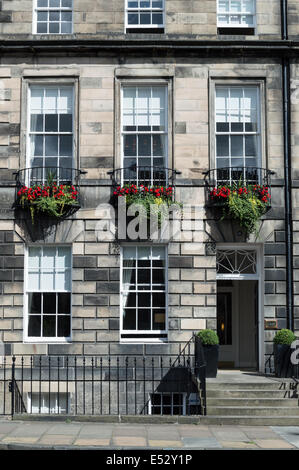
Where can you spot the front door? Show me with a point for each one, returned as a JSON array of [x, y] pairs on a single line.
[[236, 323]]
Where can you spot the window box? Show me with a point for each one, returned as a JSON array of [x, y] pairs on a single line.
[[52, 196], [239, 194]]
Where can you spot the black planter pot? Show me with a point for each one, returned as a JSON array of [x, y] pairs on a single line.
[[282, 360], [211, 353]]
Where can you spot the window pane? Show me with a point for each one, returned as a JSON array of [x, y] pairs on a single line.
[[129, 319], [51, 145], [54, 16], [34, 325], [51, 123], [34, 255], [144, 319], [144, 300], [158, 320], [132, 18], [41, 28], [130, 145], [48, 257], [47, 281], [64, 326], [65, 122], [236, 145], [63, 258], [159, 300], [49, 303], [34, 302], [54, 28], [144, 145], [64, 303], [36, 122], [49, 326], [157, 18], [66, 28], [222, 143], [66, 145], [37, 145]]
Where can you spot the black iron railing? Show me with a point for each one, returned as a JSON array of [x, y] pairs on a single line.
[[43, 175], [144, 175], [238, 176], [110, 385]]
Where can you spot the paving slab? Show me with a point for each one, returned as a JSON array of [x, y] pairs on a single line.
[[56, 440], [207, 443], [289, 433], [129, 441], [90, 442], [71, 429], [238, 445], [167, 444], [273, 444]]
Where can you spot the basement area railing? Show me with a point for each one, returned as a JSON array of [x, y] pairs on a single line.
[[110, 385]]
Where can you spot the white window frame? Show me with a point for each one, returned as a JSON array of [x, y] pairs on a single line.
[[243, 12], [37, 9], [165, 133], [47, 86], [27, 290], [258, 132], [148, 333], [64, 398], [139, 10], [163, 394]]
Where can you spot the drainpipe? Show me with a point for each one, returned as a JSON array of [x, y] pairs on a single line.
[[287, 169]]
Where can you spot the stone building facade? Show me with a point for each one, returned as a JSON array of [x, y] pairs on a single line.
[[96, 69]]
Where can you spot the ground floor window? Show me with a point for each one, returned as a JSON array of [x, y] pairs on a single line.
[[167, 404], [47, 403], [143, 292], [48, 293]]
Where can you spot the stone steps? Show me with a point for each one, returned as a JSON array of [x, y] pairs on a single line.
[[250, 393], [253, 411], [265, 403], [257, 402]]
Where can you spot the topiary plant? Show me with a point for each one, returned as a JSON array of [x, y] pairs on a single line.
[[284, 336], [208, 337]]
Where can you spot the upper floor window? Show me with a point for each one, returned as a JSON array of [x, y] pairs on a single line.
[[144, 134], [48, 293], [53, 17], [144, 14], [237, 131], [236, 16], [50, 132]]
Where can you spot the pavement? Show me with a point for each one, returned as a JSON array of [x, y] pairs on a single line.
[[55, 435]]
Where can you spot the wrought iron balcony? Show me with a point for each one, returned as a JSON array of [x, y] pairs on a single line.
[[234, 177], [144, 175]]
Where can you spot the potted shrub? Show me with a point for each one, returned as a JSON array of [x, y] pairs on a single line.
[[282, 353], [210, 343]]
